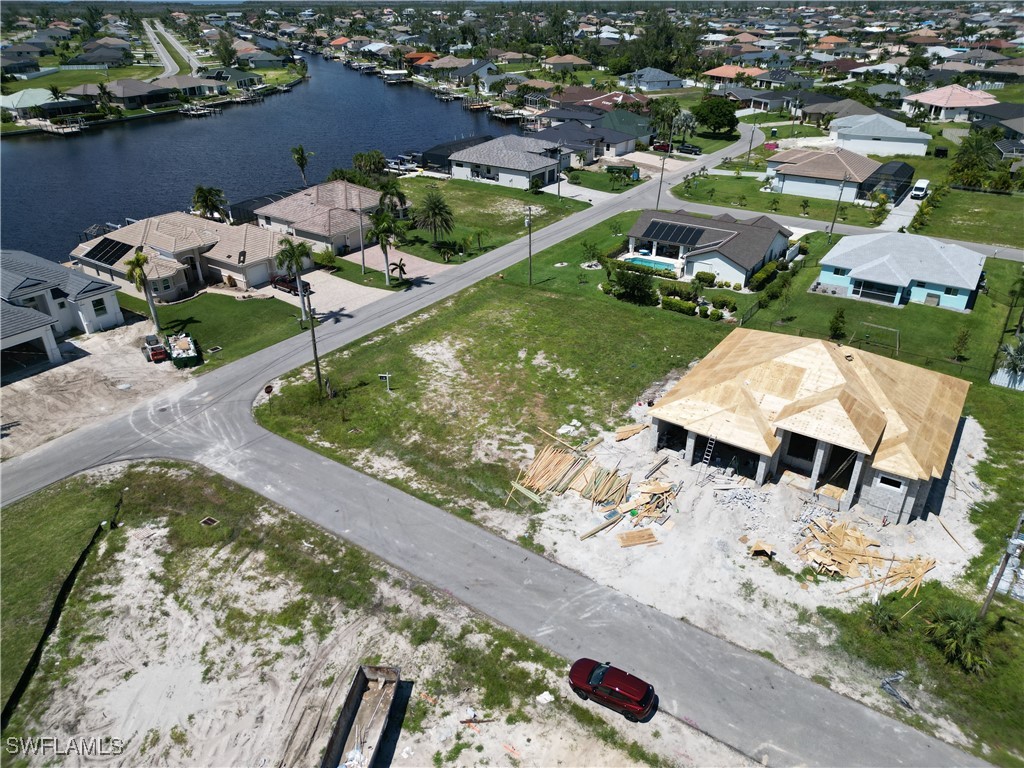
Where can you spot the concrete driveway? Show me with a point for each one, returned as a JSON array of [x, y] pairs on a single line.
[[415, 267], [330, 293], [900, 216]]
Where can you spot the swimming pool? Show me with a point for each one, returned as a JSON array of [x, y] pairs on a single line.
[[652, 261]]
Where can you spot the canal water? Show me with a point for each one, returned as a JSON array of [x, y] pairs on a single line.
[[55, 187]]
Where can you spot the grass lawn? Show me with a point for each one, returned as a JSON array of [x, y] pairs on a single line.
[[239, 327], [179, 60], [602, 182], [486, 216], [712, 142], [1013, 93], [725, 190], [39, 545], [926, 333], [979, 218], [71, 78], [928, 167]]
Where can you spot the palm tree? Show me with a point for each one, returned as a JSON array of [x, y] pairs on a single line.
[[399, 267], [104, 94], [684, 123], [291, 257], [209, 202], [1013, 359], [975, 157], [392, 197], [434, 214], [56, 93], [301, 158], [384, 228], [136, 274]]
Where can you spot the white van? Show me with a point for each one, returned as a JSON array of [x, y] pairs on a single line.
[[920, 190]]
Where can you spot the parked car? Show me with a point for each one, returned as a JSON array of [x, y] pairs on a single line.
[[287, 283], [154, 350], [611, 687], [662, 147], [689, 149]]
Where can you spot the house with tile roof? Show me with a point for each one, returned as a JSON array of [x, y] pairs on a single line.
[[835, 175], [846, 426], [733, 249], [332, 215], [566, 63], [951, 102], [511, 161], [730, 73], [42, 301], [898, 268], [185, 253], [878, 135]]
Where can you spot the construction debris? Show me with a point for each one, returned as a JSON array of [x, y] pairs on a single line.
[[626, 432], [760, 548], [841, 549], [637, 537]]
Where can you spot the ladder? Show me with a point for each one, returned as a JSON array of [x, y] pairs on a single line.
[[705, 463]]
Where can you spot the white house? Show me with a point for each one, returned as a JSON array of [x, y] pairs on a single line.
[[874, 430], [511, 161], [877, 135], [951, 102], [835, 175], [42, 301], [185, 253], [898, 268], [731, 248], [650, 79], [327, 214]]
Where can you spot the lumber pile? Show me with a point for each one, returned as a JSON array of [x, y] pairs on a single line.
[[651, 501], [554, 469], [626, 432], [842, 549]]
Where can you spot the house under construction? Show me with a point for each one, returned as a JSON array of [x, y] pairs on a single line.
[[850, 425]]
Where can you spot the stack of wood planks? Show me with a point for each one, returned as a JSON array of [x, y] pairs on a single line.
[[626, 432], [554, 469], [842, 549]]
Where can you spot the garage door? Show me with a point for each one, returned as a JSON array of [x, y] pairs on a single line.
[[258, 274]]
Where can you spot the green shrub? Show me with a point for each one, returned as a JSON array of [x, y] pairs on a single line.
[[956, 630], [628, 266], [804, 248], [705, 278], [634, 287], [575, 178], [6, 116], [737, 286], [678, 305], [684, 291], [764, 276], [703, 310], [715, 314]]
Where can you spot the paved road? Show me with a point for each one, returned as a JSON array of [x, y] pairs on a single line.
[[735, 696], [170, 67], [184, 52]]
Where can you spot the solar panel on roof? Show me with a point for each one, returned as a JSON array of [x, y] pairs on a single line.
[[667, 232], [107, 251]]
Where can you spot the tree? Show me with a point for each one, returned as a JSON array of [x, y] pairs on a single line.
[[399, 268], [717, 115], [684, 123], [805, 206], [774, 205], [634, 287], [663, 114], [974, 158], [392, 197], [434, 214], [1012, 359], [837, 325], [383, 230], [56, 93], [291, 257], [224, 50], [536, 184], [301, 158], [371, 163], [136, 274], [960, 342], [209, 202]]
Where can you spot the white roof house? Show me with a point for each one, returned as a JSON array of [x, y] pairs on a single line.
[[877, 135], [512, 161], [900, 268]]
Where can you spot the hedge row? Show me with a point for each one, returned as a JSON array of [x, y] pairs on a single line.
[[689, 308], [764, 276]]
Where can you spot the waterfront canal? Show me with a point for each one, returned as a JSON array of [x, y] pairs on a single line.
[[55, 187]]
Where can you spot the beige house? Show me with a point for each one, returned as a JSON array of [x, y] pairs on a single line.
[[185, 253], [848, 426], [566, 63], [334, 215]]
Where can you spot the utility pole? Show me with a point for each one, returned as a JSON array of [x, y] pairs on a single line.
[[529, 229], [316, 357], [362, 242], [750, 145], [839, 201], [1012, 548], [661, 182]]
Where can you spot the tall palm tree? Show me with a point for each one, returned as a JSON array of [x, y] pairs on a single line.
[[290, 257], [301, 158], [684, 123], [434, 214], [104, 94], [392, 197], [136, 274], [209, 202], [1013, 359], [383, 230], [56, 93]]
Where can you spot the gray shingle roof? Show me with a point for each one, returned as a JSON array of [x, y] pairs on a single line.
[[24, 274], [895, 258], [15, 319], [517, 153]]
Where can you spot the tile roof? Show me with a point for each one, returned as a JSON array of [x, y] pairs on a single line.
[[952, 96], [325, 209], [755, 383], [896, 258], [835, 165], [732, 71]]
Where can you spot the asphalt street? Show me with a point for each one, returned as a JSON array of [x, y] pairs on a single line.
[[733, 695]]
